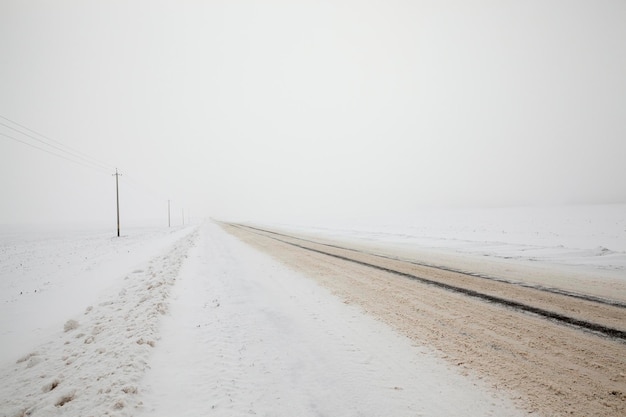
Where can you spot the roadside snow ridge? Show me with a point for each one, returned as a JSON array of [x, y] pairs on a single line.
[[93, 367]]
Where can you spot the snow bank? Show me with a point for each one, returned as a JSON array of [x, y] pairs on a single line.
[[48, 276], [94, 363]]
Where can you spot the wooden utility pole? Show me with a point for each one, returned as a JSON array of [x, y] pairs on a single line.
[[117, 197]]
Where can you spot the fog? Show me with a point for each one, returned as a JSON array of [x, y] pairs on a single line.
[[275, 110]]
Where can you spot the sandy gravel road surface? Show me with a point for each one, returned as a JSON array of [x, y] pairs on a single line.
[[569, 361]]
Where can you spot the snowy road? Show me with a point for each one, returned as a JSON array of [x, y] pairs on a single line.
[[553, 367], [247, 336], [193, 321], [209, 326]]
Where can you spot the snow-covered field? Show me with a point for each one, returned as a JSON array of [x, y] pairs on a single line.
[[191, 321]]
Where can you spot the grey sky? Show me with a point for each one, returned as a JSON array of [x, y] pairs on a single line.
[[281, 109]]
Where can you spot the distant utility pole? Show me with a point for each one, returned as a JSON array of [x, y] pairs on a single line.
[[183, 217], [117, 197], [168, 214]]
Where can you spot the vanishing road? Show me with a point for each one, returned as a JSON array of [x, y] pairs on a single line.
[[557, 352]]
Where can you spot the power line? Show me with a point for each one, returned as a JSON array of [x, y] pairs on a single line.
[[55, 154], [138, 185], [76, 152], [72, 155], [56, 147]]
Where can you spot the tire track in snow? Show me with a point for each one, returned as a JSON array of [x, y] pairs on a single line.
[[572, 294], [465, 290], [94, 366]]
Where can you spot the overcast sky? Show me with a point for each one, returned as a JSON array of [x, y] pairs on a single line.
[[286, 109]]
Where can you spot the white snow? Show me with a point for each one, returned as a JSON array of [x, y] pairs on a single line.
[[191, 321], [48, 276]]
